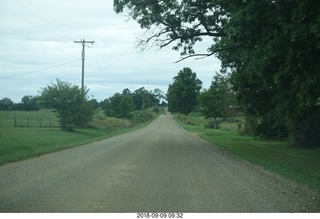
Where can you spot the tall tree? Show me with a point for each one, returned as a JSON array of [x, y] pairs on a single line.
[[73, 106], [139, 98], [158, 95], [183, 92], [275, 67], [219, 100]]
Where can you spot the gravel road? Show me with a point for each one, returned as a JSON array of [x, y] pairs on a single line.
[[159, 168]]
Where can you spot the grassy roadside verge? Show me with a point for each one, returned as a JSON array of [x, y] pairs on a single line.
[[19, 143], [298, 165]]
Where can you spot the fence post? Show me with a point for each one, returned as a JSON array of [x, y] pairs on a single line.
[[15, 120]]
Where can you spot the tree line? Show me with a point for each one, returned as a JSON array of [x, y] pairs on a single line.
[[75, 107], [28, 103], [269, 50], [121, 105]]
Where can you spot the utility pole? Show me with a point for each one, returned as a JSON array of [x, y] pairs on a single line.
[[83, 42]]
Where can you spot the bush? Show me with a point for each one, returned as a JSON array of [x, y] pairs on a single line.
[[211, 124], [141, 116], [71, 102], [110, 123], [189, 120], [156, 110]]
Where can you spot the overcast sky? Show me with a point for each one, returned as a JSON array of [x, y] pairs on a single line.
[[37, 47]]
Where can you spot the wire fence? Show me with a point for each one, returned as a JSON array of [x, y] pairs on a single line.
[[30, 122]]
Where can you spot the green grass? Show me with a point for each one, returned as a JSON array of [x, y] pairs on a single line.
[[7, 117], [296, 164], [19, 143]]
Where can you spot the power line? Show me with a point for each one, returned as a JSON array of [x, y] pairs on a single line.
[[25, 19], [42, 69], [44, 20], [55, 22], [31, 22], [48, 19]]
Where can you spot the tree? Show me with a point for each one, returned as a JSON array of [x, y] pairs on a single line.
[[120, 105], [270, 47], [275, 68], [183, 92], [74, 107], [139, 98], [6, 104], [144, 99], [29, 103], [219, 100], [158, 96]]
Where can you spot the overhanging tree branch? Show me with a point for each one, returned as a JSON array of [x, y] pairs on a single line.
[[205, 55]]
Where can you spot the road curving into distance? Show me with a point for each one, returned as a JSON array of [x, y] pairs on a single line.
[[159, 168]]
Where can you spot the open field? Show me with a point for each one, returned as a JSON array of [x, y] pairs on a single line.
[[300, 165], [18, 143]]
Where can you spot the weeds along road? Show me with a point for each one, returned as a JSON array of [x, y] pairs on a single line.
[[159, 168]]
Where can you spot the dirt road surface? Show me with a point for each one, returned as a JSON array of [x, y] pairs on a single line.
[[159, 168]]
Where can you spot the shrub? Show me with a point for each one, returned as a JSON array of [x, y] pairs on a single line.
[[141, 116], [212, 124]]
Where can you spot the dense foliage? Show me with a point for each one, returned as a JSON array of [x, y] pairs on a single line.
[[6, 104], [219, 101], [184, 91], [120, 105], [127, 104], [270, 47], [72, 104], [28, 103], [276, 66]]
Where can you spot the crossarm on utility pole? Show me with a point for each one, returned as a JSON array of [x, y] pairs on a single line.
[[83, 42]]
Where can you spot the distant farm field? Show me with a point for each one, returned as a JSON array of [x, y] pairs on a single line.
[[18, 143]]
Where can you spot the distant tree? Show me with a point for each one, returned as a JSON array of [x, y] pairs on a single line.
[[219, 100], [120, 105], [183, 92], [144, 99], [73, 106], [139, 99], [6, 104], [95, 103], [158, 96], [29, 103], [151, 99]]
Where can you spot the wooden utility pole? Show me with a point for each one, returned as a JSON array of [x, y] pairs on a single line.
[[83, 42]]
